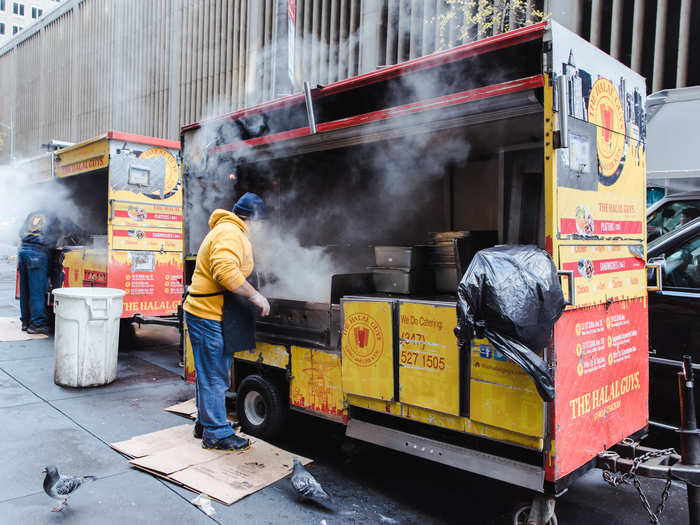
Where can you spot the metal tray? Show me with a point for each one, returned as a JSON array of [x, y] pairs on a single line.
[[393, 280], [404, 257]]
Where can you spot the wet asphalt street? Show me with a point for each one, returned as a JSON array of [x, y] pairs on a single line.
[[44, 423]]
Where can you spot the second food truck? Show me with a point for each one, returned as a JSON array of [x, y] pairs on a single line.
[[126, 195]]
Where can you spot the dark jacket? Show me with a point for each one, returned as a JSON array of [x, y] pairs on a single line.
[[45, 229]]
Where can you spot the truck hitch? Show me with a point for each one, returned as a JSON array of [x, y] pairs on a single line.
[[627, 460]]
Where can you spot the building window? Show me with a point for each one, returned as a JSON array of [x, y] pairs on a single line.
[[16, 29], [18, 8], [37, 12], [2, 28], [2, 5]]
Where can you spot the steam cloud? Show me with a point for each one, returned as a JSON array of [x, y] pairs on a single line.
[[299, 272], [20, 197], [381, 193]]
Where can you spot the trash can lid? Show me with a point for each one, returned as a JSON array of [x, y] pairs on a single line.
[[89, 292]]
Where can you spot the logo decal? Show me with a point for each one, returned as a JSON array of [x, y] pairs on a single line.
[[363, 340], [172, 173], [606, 112]]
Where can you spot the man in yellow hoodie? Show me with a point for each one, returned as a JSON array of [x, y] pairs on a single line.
[[224, 261]]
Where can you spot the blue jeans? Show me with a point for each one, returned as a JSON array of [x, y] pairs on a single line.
[[212, 381], [33, 262]]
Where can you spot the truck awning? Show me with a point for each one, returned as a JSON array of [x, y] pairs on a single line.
[[494, 77]]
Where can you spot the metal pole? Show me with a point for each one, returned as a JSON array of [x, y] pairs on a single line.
[[683, 42], [616, 31], [659, 45], [309, 107], [689, 434], [596, 10], [563, 112], [637, 35]]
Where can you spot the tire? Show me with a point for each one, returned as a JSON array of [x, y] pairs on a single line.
[[260, 407], [520, 516]]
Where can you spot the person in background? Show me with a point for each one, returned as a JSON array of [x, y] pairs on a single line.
[[224, 261], [40, 232], [688, 214]]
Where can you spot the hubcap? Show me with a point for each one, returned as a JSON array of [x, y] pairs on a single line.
[[254, 406]]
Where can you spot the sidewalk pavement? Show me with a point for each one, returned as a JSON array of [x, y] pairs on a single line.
[[46, 424]]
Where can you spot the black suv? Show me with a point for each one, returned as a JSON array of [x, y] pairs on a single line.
[[674, 318]]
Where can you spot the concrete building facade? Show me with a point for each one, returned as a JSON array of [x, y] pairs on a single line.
[[149, 67]]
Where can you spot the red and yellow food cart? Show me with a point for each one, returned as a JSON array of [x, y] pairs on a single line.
[[552, 138]]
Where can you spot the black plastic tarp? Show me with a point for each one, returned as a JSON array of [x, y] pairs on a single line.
[[512, 296]]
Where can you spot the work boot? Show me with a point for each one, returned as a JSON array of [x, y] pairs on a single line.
[[38, 330], [232, 442], [199, 430], [24, 327]]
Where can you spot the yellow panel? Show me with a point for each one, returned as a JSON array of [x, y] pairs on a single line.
[[81, 159], [143, 215], [266, 354], [367, 343], [460, 424], [501, 394], [73, 269], [327, 385], [95, 268], [151, 239], [604, 272], [316, 381], [300, 393], [509, 408], [433, 418], [429, 357], [389, 407], [488, 364]]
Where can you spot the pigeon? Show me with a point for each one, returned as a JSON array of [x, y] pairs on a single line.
[[62, 487], [307, 487]]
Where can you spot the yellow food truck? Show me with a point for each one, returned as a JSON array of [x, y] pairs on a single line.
[[124, 191], [529, 137]]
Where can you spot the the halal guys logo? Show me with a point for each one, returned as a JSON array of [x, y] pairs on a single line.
[[605, 111], [363, 340]]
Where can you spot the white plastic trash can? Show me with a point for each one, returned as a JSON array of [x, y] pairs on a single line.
[[86, 343]]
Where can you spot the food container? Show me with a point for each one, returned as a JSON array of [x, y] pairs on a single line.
[[396, 280], [447, 237], [404, 257]]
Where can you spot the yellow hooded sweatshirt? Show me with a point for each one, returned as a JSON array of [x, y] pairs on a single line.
[[224, 261]]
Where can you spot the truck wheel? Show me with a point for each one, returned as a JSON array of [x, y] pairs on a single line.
[[260, 407], [520, 516]]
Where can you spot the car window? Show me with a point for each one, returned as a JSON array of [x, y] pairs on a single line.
[[682, 267], [671, 215]]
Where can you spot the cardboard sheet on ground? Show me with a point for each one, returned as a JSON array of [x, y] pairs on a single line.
[[186, 408], [224, 476], [11, 330]]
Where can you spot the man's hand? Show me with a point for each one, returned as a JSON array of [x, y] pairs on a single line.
[[261, 302]]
